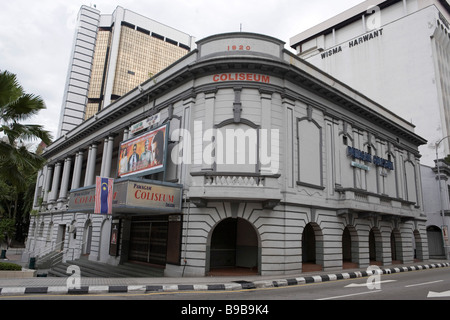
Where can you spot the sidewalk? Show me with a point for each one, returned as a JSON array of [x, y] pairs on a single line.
[[50, 285]]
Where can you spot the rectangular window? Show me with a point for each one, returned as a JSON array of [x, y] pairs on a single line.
[[309, 135]]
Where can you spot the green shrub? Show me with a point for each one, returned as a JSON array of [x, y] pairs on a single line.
[[8, 266]]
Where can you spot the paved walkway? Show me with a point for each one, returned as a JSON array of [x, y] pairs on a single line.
[[54, 285]]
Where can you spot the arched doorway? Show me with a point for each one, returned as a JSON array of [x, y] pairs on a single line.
[[234, 248], [418, 250], [375, 247], [396, 247], [350, 254], [435, 242], [312, 248]]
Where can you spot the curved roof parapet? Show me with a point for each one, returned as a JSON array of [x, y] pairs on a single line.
[[240, 43], [231, 54]]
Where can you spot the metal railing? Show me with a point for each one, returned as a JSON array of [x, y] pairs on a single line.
[[52, 256], [47, 249]]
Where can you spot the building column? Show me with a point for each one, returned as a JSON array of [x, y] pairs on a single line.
[[48, 179], [55, 183], [105, 148], [38, 184], [65, 179], [86, 174], [108, 159], [77, 170], [108, 146], [90, 170]]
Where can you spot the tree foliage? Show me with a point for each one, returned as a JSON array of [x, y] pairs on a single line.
[[7, 229], [18, 165]]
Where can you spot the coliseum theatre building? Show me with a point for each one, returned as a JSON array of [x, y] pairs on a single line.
[[238, 156]]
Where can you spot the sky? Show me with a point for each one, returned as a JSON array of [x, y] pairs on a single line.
[[36, 36]]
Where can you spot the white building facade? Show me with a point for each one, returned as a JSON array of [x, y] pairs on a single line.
[[395, 52], [437, 208], [270, 165]]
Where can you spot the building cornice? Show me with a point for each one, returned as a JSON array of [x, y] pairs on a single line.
[[192, 67]]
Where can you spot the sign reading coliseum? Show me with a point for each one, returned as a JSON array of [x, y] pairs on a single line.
[[131, 195], [147, 197], [241, 77]]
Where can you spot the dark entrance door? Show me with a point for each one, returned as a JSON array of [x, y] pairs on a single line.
[[234, 244], [309, 245], [346, 246], [148, 240], [435, 242], [393, 247]]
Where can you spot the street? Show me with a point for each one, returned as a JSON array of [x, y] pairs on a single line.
[[430, 284], [270, 303]]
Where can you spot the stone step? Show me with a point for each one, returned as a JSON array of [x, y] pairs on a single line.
[[102, 270]]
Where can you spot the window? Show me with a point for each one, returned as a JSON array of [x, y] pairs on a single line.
[[236, 147], [309, 135], [410, 182]]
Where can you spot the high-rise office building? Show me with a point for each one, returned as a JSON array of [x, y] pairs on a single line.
[[112, 54], [396, 52]]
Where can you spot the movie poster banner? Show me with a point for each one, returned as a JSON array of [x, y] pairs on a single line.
[[144, 154]]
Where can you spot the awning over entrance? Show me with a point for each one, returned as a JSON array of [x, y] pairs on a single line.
[[133, 196]]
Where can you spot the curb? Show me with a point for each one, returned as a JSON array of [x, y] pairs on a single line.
[[236, 285]]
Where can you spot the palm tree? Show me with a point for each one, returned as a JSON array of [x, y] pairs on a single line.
[[16, 161]]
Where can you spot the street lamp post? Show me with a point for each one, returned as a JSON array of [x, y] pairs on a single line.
[[444, 242]]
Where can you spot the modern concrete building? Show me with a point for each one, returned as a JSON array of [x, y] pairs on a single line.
[[268, 164], [112, 54], [397, 52]]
